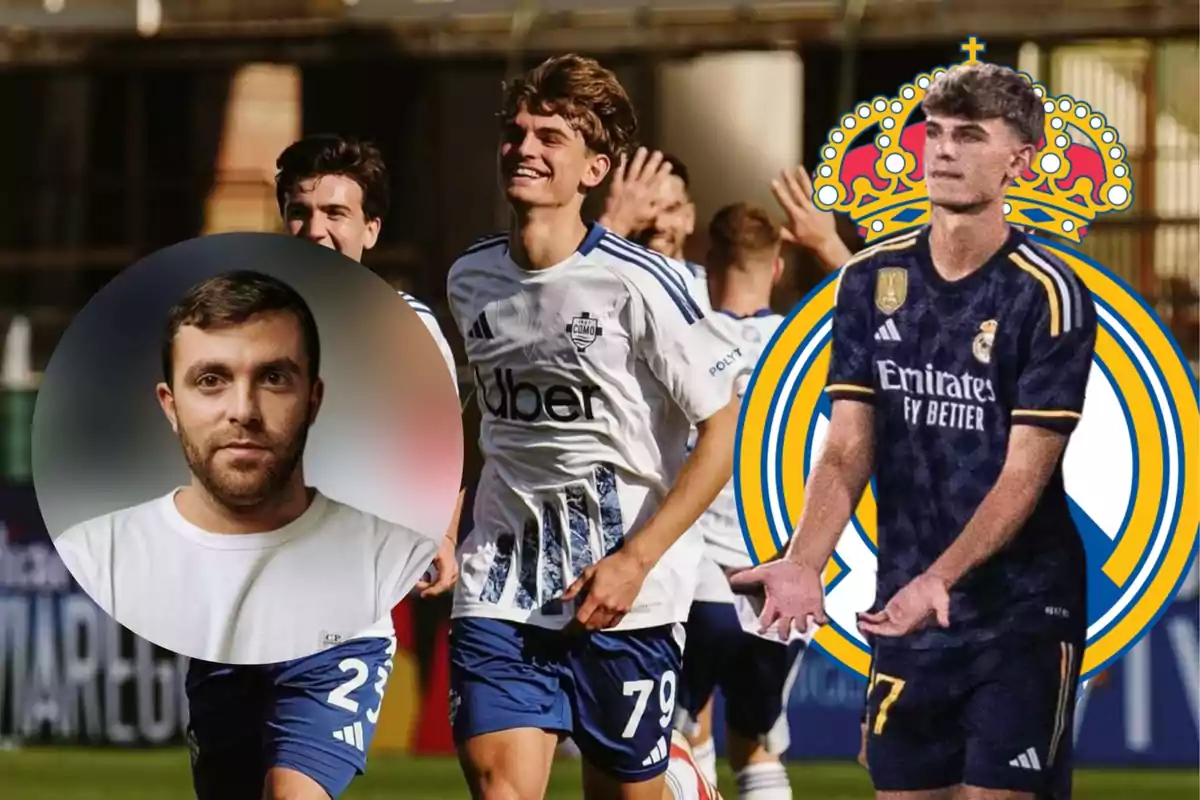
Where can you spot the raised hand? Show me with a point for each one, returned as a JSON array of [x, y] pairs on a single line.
[[808, 226], [634, 196]]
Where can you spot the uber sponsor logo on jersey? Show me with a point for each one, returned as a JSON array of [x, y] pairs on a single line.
[[507, 398]]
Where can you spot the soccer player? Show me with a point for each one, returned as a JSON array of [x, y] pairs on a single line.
[[591, 358], [649, 202], [724, 647], [960, 359], [335, 191], [649, 199], [301, 729], [265, 565]]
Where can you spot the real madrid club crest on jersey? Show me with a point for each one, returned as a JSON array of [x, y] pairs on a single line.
[[1131, 467], [981, 348]]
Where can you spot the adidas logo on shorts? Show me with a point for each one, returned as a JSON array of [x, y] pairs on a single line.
[[1027, 760]]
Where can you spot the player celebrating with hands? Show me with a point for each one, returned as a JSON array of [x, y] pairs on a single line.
[[808, 226], [980, 615]]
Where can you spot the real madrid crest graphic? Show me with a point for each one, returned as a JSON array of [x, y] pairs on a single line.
[[981, 348], [1131, 466]]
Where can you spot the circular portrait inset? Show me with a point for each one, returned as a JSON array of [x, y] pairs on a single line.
[[247, 449]]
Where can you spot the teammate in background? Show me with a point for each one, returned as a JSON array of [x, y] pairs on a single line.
[[960, 360], [592, 358], [724, 648], [269, 731], [649, 198], [649, 202], [335, 192]]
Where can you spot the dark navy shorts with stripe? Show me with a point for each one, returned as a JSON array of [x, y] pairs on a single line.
[[612, 693], [997, 715]]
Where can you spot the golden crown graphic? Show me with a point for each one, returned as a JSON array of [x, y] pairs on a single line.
[[881, 185]]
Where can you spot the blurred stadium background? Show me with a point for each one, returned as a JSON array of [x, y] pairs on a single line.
[[130, 125]]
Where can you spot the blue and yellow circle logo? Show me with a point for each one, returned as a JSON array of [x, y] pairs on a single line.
[[1130, 468]]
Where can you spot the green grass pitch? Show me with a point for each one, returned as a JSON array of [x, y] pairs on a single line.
[[79, 774]]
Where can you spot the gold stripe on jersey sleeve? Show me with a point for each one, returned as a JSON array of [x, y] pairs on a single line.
[[849, 387], [1049, 414], [1051, 292], [883, 247]]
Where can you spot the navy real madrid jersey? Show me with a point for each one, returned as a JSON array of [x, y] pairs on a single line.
[[951, 367]]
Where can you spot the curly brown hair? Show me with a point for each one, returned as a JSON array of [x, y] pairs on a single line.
[[588, 96], [988, 91]]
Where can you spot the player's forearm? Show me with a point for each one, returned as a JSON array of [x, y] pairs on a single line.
[[456, 518], [617, 223], [833, 253], [834, 489], [700, 480], [1033, 455]]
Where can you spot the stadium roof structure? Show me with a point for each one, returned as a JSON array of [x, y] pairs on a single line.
[[49, 29]]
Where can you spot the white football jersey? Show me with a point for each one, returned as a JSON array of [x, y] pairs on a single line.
[[720, 523], [589, 376], [700, 274], [250, 598], [427, 316]]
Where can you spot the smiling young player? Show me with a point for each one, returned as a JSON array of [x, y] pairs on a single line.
[[592, 358]]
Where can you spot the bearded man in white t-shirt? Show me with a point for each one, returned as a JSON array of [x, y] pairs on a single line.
[[247, 564]]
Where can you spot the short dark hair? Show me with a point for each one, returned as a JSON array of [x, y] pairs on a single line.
[[678, 168], [588, 96], [233, 298], [329, 154], [739, 230], [988, 91]]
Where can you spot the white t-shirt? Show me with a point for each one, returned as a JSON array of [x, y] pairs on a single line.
[[332, 574], [589, 375]]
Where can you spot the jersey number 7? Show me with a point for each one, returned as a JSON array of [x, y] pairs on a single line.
[[895, 687]]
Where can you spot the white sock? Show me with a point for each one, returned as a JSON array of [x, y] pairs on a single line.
[[767, 781], [705, 754]]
